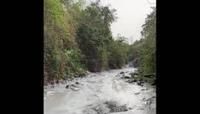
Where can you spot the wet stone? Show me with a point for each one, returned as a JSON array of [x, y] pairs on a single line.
[[121, 72], [137, 93], [114, 107], [67, 86]]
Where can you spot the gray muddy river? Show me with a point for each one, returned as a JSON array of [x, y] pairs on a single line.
[[100, 93]]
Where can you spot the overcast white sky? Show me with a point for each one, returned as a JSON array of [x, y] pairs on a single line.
[[131, 15]]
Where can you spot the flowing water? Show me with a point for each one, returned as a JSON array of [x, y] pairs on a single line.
[[100, 93]]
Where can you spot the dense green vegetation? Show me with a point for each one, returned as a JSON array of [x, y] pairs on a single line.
[[118, 53], [61, 53], [144, 51], [93, 36], [78, 38]]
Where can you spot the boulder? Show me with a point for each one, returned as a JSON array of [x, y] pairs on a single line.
[[131, 81], [137, 93], [127, 77], [143, 89], [121, 72], [67, 86], [74, 88], [115, 107], [73, 85], [140, 83]]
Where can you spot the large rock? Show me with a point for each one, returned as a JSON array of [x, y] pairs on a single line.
[[67, 86], [73, 87], [131, 81], [121, 72], [127, 77], [137, 93], [140, 83], [114, 107]]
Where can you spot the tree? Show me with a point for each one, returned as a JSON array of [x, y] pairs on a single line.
[[149, 51], [143, 52], [94, 35], [60, 25]]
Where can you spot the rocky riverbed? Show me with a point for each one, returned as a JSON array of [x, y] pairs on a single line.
[[108, 92]]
